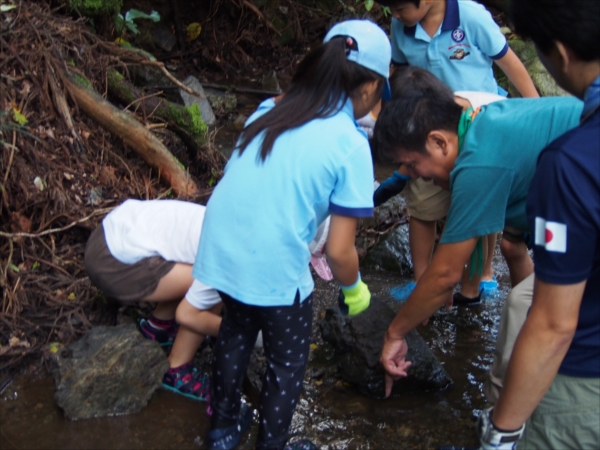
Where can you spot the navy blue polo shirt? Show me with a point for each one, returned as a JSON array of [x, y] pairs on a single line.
[[460, 53], [563, 209]]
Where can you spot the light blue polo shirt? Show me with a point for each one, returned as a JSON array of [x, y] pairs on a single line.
[[492, 174], [461, 52], [262, 215]]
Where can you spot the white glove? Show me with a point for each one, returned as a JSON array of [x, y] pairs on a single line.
[[367, 123], [491, 438]]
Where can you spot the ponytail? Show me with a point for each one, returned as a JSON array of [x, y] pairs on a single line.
[[323, 81]]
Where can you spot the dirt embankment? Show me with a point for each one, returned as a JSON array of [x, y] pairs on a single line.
[[61, 172]]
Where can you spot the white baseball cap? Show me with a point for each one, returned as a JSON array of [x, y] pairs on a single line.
[[368, 46]]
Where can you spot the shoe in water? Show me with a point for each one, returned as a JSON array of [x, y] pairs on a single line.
[[489, 286], [228, 438], [187, 381], [164, 337], [403, 291], [461, 300], [302, 444]]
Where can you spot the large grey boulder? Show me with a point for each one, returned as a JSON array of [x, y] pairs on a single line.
[[110, 371], [357, 342], [208, 116]]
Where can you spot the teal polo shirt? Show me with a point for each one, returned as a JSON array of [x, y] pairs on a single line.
[[262, 215], [491, 176], [461, 51]]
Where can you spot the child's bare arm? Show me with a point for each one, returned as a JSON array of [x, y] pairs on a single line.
[[516, 72], [341, 252]]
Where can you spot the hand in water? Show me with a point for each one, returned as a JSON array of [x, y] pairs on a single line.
[[393, 359]]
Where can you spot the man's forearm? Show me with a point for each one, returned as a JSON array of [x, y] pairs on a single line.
[[428, 296], [433, 288]]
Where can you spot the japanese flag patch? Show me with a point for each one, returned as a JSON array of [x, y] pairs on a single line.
[[551, 235]]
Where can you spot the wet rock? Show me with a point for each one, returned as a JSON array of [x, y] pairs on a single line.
[[270, 82], [208, 116], [221, 101], [392, 253], [357, 342], [164, 39], [256, 369], [110, 371]]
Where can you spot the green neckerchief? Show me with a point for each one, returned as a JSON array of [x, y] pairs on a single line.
[[477, 257], [464, 123]]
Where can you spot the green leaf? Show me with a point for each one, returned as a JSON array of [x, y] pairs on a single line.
[[132, 27], [369, 4], [36, 264], [14, 268], [133, 14], [4, 8], [19, 118]]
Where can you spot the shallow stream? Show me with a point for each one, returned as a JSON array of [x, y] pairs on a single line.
[[331, 413]]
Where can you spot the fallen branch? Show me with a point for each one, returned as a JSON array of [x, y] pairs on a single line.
[[135, 135], [57, 230], [174, 80]]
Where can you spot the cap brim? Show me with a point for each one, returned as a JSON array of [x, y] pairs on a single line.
[[321, 267], [387, 90]]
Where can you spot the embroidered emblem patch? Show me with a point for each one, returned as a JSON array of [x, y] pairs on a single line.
[[459, 54], [458, 35]]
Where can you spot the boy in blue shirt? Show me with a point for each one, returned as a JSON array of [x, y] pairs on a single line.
[[457, 41], [553, 378]]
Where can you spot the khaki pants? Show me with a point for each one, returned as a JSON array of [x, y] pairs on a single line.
[[425, 200], [512, 319], [568, 417]]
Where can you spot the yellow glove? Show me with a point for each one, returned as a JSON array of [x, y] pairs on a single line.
[[354, 299]]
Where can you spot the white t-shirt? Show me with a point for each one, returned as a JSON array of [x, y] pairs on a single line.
[[171, 229], [478, 99]]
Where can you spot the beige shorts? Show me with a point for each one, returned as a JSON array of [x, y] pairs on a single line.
[[568, 417], [425, 200], [124, 282]]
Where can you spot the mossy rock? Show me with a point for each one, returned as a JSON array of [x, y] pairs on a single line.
[[542, 80]]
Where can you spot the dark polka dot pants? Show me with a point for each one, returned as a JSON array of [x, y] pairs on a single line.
[[286, 341]]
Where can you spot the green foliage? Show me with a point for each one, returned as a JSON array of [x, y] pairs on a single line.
[[18, 125], [127, 22], [368, 4], [197, 124], [95, 8]]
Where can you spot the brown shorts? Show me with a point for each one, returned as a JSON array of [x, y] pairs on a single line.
[[124, 282]]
